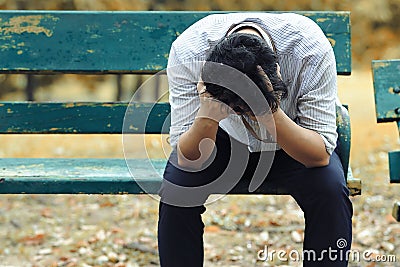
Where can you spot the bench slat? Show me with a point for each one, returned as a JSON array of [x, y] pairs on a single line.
[[386, 74], [394, 166], [103, 117], [83, 118], [96, 176], [118, 42]]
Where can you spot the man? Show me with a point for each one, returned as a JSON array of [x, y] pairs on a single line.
[[220, 135]]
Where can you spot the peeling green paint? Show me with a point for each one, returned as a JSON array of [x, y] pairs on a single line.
[[381, 64], [154, 67], [27, 24], [69, 105], [322, 19], [332, 41], [391, 114]]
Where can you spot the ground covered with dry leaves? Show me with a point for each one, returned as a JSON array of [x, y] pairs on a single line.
[[121, 230], [81, 230]]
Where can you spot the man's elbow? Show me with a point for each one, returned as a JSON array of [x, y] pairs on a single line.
[[318, 162], [185, 163]]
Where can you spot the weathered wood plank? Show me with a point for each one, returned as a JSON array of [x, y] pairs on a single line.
[[102, 117], [62, 176], [118, 42], [386, 74], [83, 118], [96, 176]]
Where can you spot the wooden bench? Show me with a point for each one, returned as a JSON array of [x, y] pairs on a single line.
[[386, 75], [48, 42]]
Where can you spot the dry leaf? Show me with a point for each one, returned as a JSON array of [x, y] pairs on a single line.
[[33, 240]]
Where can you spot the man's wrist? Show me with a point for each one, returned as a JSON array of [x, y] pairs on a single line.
[[278, 115], [205, 122]]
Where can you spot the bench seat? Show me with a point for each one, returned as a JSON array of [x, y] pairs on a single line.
[[96, 176]]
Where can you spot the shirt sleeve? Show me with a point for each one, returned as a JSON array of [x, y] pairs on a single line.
[[183, 95], [317, 103]]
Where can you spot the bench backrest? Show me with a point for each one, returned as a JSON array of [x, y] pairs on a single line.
[[89, 42], [386, 74]]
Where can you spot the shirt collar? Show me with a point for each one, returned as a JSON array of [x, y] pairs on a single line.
[[261, 31]]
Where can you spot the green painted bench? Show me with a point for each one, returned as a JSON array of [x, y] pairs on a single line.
[[386, 75], [47, 42]]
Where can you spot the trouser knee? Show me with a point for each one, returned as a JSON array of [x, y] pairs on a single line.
[[328, 181]]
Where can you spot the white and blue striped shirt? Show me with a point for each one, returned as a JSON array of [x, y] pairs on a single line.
[[307, 65]]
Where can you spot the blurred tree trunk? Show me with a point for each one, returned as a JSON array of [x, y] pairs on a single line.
[[119, 87], [157, 88], [30, 87], [139, 81]]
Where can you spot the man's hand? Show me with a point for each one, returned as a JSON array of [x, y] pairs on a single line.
[[196, 145], [211, 108], [304, 145], [267, 81]]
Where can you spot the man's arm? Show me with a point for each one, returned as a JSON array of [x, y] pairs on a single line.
[[196, 145], [307, 140], [304, 145], [194, 123]]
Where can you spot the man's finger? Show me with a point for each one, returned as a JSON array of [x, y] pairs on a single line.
[[267, 81], [200, 86]]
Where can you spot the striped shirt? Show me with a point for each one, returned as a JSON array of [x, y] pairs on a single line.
[[307, 65]]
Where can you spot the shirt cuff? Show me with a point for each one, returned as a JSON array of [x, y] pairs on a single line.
[[329, 146], [174, 134]]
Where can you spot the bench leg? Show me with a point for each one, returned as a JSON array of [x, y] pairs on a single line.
[[396, 211]]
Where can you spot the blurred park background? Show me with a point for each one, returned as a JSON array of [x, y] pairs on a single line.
[[112, 230]]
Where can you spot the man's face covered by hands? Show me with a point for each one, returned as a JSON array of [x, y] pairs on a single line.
[[252, 56]]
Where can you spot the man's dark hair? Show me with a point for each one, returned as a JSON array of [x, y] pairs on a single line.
[[244, 52]]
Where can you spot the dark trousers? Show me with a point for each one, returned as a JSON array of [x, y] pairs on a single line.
[[321, 193]]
